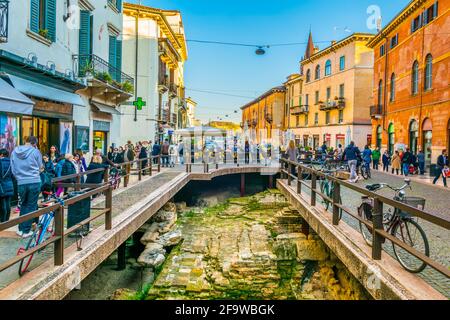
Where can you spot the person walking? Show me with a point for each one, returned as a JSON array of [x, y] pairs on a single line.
[[156, 151], [181, 151], [442, 163], [406, 162], [376, 155], [367, 158], [6, 185], [143, 155], [396, 162], [291, 153], [247, 152], [96, 177], [351, 154], [386, 161], [165, 153], [26, 165], [421, 161]]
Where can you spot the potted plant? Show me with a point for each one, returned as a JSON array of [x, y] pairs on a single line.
[[88, 70], [127, 86], [44, 33], [104, 76]]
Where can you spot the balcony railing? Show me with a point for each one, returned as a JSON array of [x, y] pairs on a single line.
[[268, 117], [90, 65], [376, 111], [254, 123], [163, 82], [4, 20], [300, 110], [173, 89], [332, 104]]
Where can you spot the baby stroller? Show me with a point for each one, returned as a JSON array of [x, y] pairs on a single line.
[[115, 177], [413, 169]]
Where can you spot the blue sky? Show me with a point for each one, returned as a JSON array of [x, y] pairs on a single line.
[[239, 71]]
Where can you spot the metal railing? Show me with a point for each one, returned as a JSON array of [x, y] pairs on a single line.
[[93, 65], [376, 225], [4, 14]]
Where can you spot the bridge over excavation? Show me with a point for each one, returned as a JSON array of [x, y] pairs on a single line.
[[64, 265]]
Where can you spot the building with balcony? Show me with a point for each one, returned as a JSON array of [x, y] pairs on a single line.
[[191, 105], [294, 107], [336, 95], [411, 87], [155, 50], [262, 116]]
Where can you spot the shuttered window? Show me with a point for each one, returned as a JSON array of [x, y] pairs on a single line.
[[50, 19], [112, 55], [118, 60], [84, 42], [43, 17], [34, 15]]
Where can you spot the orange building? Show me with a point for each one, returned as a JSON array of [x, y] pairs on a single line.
[[265, 114], [411, 80]]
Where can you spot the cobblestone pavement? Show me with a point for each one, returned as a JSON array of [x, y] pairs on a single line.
[[437, 202], [9, 243]]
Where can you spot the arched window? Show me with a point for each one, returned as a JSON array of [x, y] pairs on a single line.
[[328, 68], [317, 76], [391, 138], [379, 136], [380, 93], [392, 98], [308, 75], [413, 136], [415, 78], [428, 72]]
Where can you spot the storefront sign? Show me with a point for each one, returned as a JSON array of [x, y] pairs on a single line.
[[340, 137], [101, 125]]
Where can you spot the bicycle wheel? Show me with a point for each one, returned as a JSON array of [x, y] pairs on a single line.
[[410, 232], [365, 212], [324, 189], [25, 262], [364, 172]]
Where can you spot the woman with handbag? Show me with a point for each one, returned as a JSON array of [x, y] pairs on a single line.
[[6, 185]]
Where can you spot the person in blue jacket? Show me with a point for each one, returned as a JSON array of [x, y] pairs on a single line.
[[367, 157], [6, 185]]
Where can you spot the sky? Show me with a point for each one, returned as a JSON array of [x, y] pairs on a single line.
[[235, 75]]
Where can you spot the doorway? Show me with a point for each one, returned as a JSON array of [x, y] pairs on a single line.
[[413, 136], [100, 141], [391, 138], [427, 132]]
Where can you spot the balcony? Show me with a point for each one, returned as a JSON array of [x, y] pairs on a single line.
[[376, 111], [300, 110], [337, 103], [254, 123], [173, 90], [268, 117], [163, 83], [104, 77], [4, 20]]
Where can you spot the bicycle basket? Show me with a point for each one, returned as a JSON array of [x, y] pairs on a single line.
[[415, 202]]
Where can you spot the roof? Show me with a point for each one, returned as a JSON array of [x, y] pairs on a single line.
[[309, 47], [264, 95], [412, 7], [338, 45]]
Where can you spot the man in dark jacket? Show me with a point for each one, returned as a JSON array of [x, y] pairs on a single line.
[[351, 155], [442, 163], [407, 161], [165, 153], [156, 150], [6, 185]]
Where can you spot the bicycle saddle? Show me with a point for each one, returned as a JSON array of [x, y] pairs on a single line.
[[373, 187]]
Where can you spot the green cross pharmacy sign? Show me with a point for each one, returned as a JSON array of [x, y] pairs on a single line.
[[139, 103]]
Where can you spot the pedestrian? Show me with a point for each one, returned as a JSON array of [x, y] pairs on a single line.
[[96, 177], [165, 153], [367, 158], [421, 161], [386, 161], [143, 155], [156, 151], [6, 185], [181, 151], [46, 177], [54, 154], [351, 154], [82, 160], [400, 154], [129, 152], [68, 168], [258, 153], [247, 152], [26, 165], [338, 153], [292, 155], [406, 162], [110, 153], [106, 161], [376, 155], [442, 163], [396, 162]]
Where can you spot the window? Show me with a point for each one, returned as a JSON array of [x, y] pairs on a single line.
[[416, 23], [297, 121], [308, 75], [380, 93], [327, 68], [327, 117], [341, 90], [394, 41], [415, 78], [316, 118], [306, 120], [342, 63], [317, 75], [85, 40], [115, 57], [382, 50], [43, 18], [428, 72], [328, 93], [430, 14], [116, 4], [306, 99], [341, 116], [392, 97], [317, 97]]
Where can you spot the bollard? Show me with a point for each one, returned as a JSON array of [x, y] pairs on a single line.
[[377, 223], [313, 188], [59, 232], [336, 197]]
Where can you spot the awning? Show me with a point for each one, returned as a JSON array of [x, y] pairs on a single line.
[[39, 90], [104, 108], [12, 100]]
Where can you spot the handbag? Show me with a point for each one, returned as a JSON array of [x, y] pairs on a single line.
[[446, 172]]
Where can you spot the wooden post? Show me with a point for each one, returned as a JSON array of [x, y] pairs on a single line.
[[289, 177], [242, 184], [121, 256], [313, 188], [59, 232], [150, 160], [271, 182], [377, 221], [139, 170], [108, 205], [299, 179], [336, 197], [78, 181], [159, 163], [106, 175]]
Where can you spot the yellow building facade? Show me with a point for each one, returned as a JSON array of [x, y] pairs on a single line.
[[336, 94], [293, 105]]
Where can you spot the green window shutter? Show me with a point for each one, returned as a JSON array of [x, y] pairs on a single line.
[[119, 59], [34, 15], [50, 19], [84, 42], [119, 5], [112, 55]]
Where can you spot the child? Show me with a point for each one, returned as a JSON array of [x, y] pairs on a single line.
[[173, 156]]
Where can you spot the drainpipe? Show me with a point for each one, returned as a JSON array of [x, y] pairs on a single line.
[[136, 64], [421, 90]]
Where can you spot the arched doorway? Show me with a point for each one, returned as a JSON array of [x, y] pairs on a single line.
[[379, 136], [427, 134], [391, 138], [413, 136]]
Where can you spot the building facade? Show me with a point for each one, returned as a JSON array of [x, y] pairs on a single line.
[[156, 59], [191, 105], [265, 114], [411, 87], [336, 94], [293, 107]]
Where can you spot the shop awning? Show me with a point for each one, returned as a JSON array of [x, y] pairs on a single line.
[[13, 101], [39, 90], [105, 108]]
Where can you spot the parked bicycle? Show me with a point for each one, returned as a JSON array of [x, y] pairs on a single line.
[[398, 223], [327, 188], [365, 170]]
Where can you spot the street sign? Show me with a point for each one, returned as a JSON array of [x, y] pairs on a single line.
[[139, 103]]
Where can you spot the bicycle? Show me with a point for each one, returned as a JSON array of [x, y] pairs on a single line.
[[399, 224], [365, 170], [327, 188], [42, 231], [115, 178]]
